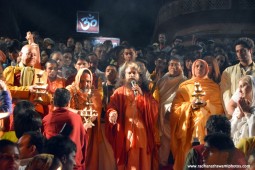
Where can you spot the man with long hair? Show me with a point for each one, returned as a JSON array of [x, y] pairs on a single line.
[[131, 121]]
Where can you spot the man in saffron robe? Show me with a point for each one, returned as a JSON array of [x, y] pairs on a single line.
[[21, 80], [81, 90], [167, 86], [131, 122], [53, 81], [187, 119], [61, 115]]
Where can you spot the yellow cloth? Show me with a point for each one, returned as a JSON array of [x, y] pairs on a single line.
[[20, 91], [27, 76], [153, 75], [246, 145], [154, 90], [186, 123], [10, 135]]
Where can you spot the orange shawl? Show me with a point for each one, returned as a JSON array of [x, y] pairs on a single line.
[[186, 122]]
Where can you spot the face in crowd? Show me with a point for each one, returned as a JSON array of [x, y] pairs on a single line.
[[81, 64], [131, 73], [160, 64], [70, 42], [245, 88], [44, 57], [93, 62], [26, 150], [9, 158], [100, 52], [58, 57], [111, 73], [52, 70], [85, 82], [28, 56], [69, 163], [243, 54], [221, 59], [200, 69], [188, 63], [128, 55], [67, 59], [174, 68], [87, 45], [161, 38]]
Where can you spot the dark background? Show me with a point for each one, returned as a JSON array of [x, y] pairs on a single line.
[[131, 20]]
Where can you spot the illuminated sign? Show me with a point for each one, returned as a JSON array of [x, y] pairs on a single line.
[[101, 40], [87, 22]]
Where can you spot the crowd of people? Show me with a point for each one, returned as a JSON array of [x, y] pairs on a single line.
[[168, 106]]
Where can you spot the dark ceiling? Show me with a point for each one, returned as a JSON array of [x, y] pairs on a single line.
[[131, 20]]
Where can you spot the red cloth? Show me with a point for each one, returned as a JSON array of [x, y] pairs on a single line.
[[236, 157], [57, 83], [54, 122], [199, 149], [2, 57], [147, 106], [95, 81]]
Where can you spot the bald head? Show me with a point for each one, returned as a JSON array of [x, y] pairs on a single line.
[[27, 57]]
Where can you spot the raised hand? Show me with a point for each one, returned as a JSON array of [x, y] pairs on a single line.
[[137, 88], [244, 106]]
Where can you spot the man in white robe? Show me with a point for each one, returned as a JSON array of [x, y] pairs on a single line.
[[167, 86]]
